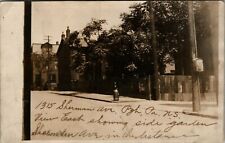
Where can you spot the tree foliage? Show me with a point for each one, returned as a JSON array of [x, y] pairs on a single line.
[[127, 50], [171, 26]]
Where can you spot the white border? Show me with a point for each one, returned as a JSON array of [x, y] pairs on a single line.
[[11, 62], [11, 73]]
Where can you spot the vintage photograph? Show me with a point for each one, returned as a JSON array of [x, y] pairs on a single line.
[[125, 70]]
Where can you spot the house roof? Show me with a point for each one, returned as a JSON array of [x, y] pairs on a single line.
[[36, 47], [83, 43]]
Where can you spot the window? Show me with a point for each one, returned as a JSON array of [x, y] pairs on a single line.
[[52, 78]]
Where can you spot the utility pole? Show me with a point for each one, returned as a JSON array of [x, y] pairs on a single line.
[[193, 46], [48, 38], [155, 53]]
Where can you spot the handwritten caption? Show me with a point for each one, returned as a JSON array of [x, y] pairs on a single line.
[[70, 120]]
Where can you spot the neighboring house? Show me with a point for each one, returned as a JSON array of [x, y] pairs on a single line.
[[44, 66]]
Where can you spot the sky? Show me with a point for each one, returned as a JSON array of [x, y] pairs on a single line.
[[52, 18]]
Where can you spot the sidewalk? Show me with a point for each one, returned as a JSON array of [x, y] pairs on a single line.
[[208, 109], [97, 97]]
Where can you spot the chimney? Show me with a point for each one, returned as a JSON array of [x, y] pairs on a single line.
[[67, 32], [63, 36]]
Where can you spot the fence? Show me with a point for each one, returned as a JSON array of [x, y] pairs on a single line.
[[179, 88], [172, 87]]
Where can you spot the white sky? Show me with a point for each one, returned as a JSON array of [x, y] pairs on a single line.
[[52, 18]]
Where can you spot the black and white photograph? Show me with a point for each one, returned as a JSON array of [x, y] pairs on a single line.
[[121, 71]]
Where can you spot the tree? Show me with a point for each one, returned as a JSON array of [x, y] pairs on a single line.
[[131, 43], [90, 57], [120, 54], [128, 50], [170, 22], [79, 63]]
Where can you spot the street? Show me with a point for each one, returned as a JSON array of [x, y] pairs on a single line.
[[74, 115]]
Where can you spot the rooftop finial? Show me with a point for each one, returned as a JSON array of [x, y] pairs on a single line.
[[67, 32]]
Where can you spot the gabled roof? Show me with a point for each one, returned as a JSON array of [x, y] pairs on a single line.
[[83, 43], [60, 47]]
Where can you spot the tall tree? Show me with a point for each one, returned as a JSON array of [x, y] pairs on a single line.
[[170, 22], [90, 57]]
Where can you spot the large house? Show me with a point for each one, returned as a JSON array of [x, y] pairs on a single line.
[[67, 76], [70, 79], [175, 80]]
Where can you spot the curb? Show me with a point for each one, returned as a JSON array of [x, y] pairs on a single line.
[[200, 115]]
